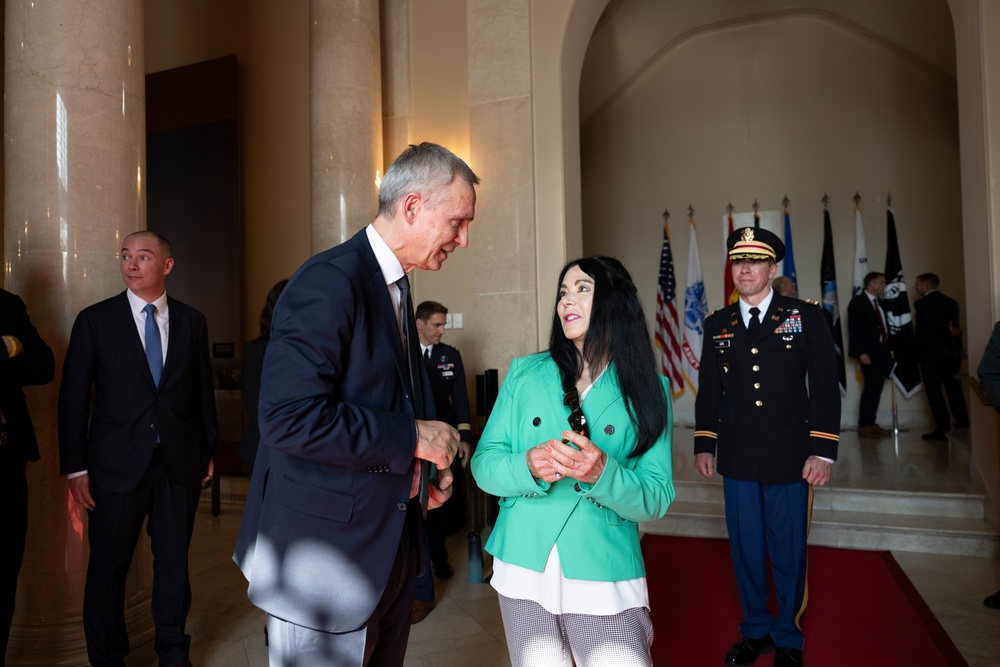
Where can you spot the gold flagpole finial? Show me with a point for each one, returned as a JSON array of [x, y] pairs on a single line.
[[755, 205], [786, 201], [690, 211], [888, 200], [729, 209], [825, 200], [857, 199], [666, 215]]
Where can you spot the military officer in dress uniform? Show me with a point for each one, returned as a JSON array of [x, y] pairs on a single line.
[[769, 408], [451, 403]]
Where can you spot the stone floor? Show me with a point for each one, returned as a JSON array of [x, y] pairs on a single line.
[[465, 629]]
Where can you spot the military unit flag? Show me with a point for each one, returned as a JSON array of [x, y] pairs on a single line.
[[860, 254], [905, 370], [731, 294], [695, 310], [667, 330], [831, 307], [788, 267]]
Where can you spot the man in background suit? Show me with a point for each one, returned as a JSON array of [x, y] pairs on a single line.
[[25, 359], [451, 405], [868, 341], [146, 449], [330, 540], [939, 349]]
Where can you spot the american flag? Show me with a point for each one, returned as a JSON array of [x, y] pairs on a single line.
[[667, 329]]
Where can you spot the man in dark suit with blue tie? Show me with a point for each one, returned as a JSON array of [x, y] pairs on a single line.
[[143, 446], [330, 534]]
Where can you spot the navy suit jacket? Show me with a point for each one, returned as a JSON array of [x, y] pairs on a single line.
[[35, 365], [330, 489], [114, 438], [863, 332]]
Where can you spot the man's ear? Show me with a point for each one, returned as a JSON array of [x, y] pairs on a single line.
[[411, 204], [168, 265]]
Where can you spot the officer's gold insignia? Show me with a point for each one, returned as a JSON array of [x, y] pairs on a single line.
[[747, 234]]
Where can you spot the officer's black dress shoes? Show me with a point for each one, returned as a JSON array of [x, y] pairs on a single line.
[[992, 601], [746, 650], [787, 657]]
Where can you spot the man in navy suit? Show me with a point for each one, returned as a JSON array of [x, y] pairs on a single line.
[[143, 446], [330, 539], [939, 348], [25, 359], [868, 342]]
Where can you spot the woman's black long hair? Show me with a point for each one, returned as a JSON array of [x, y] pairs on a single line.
[[617, 334]]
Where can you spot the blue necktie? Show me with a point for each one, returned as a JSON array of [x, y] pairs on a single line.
[[154, 348]]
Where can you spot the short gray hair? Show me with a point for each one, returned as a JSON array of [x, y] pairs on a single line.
[[422, 169]]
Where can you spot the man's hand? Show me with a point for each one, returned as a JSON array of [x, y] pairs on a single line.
[[705, 463], [209, 473], [79, 487], [464, 453], [441, 488], [437, 442], [865, 360], [816, 471]]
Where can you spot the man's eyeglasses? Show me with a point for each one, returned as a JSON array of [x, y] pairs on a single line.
[[577, 421]]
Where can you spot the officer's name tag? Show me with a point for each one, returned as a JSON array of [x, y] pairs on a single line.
[[447, 374], [718, 344]]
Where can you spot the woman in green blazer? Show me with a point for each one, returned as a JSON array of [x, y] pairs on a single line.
[[578, 449]]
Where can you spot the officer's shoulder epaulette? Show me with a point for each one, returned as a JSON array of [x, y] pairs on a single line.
[[812, 302], [710, 314]]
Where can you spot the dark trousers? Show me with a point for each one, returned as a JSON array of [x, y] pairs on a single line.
[[380, 642], [14, 500], [874, 378], [940, 373], [113, 529], [769, 520]]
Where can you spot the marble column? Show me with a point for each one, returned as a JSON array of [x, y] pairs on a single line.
[[74, 162], [346, 118]]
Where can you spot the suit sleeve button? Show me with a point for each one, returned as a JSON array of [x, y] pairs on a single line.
[[401, 507]]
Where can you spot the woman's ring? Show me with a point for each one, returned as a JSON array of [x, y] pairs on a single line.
[[558, 475]]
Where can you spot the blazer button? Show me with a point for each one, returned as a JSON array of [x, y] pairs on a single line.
[[756, 385], [401, 507], [152, 426], [536, 421], [759, 403], [754, 350], [756, 368], [609, 430]]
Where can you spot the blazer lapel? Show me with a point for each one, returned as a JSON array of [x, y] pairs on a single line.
[[380, 304], [176, 337], [123, 324]]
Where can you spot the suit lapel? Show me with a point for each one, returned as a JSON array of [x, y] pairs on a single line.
[[124, 327], [176, 336], [380, 304]]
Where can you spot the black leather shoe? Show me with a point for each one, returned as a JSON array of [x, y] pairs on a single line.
[[993, 601], [787, 657], [443, 570], [746, 650], [935, 435]]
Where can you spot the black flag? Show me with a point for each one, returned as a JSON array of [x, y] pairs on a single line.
[[896, 303], [831, 308]]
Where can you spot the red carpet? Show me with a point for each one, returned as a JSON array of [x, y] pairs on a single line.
[[862, 611]]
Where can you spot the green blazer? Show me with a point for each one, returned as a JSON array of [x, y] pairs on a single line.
[[594, 525]]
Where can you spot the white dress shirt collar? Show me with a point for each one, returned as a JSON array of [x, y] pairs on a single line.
[[392, 270], [763, 305]]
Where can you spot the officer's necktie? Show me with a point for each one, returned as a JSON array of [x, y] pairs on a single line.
[[154, 347], [427, 354], [754, 325], [412, 359]]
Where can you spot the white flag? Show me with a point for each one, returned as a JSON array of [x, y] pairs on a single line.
[[860, 255], [695, 309]]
